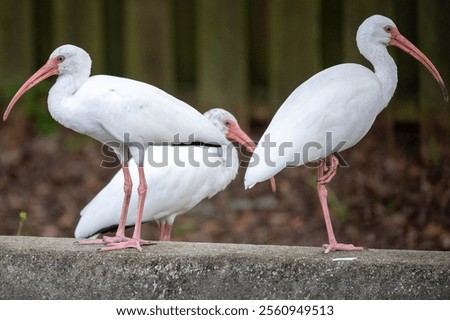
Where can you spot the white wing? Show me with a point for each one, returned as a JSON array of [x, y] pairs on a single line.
[[106, 108]]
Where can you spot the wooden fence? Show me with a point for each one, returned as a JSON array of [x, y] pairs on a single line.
[[246, 55]]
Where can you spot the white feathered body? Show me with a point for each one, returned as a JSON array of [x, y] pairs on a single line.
[[333, 109], [173, 189]]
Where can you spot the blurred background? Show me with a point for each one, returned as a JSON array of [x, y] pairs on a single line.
[[245, 56]]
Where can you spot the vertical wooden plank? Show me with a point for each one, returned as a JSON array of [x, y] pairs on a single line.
[[16, 65], [406, 96], [332, 23], [81, 23], [113, 11], [222, 56], [258, 58], [295, 55], [354, 14], [16, 43], [185, 44], [258, 43], [148, 42], [433, 27], [43, 29]]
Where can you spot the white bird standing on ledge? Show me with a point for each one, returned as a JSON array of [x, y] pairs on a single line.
[[122, 113], [174, 188], [343, 100]]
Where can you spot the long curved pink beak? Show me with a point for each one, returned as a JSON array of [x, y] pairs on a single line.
[[235, 133], [46, 71], [398, 40]]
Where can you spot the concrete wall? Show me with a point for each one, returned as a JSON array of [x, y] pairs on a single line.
[[56, 268]]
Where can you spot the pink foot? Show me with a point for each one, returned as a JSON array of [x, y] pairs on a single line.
[[331, 170], [340, 247], [126, 243], [105, 240]]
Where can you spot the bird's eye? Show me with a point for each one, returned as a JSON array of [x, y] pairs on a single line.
[[60, 58], [227, 123], [388, 29]]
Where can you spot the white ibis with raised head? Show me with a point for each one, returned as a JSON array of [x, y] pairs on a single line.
[[191, 174], [332, 111], [125, 114]]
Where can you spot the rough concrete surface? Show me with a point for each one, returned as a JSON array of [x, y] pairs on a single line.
[[59, 268]]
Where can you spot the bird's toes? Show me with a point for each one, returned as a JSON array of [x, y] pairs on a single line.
[[127, 243], [340, 247]]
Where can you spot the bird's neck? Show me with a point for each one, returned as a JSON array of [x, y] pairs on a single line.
[[231, 160], [385, 70], [65, 87]]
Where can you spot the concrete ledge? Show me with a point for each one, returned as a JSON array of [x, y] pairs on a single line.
[[56, 268]]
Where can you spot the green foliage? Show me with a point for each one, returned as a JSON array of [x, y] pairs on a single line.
[[36, 108], [35, 101], [339, 208], [183, 229], [391, 206], [22, 219], [75, 142], [433, 146]]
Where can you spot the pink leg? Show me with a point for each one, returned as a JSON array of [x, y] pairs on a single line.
[[135, 241], [166, 232], [162, 228], [120, 233], [322, 180], [273, 184], [331, 171]]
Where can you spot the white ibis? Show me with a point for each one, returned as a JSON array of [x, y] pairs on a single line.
[[192, 173], [332, 111], [125, 114]]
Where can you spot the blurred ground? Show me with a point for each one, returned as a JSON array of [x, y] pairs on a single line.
[[387, 198]]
